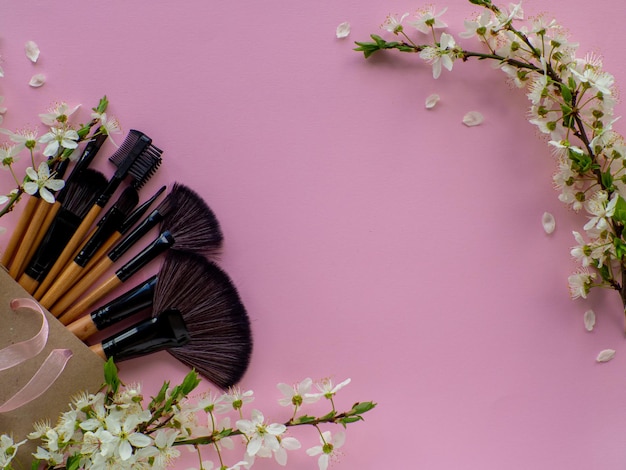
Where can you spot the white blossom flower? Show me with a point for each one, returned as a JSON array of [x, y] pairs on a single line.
[[479, 27], [327, 389], [328, 448], [441, 55], [42, 181], [600, 210], [25, 138], [57, 138], [9, 155], [260, 434], [295, 395], [393, 24], [125, 436], [235, 399], [8, 450], [58, 114], [582, 251], [580, 283], [428, 20]]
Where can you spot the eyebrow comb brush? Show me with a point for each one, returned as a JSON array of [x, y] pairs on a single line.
[[136, 157], [192, 228]]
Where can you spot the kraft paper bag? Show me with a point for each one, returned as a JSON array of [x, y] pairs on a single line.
[[83, 371]]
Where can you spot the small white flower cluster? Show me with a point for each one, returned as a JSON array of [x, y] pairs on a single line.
[[58, 142], [114, 429], [571, 101]]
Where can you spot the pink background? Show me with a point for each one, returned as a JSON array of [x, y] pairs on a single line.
[[369, 238]]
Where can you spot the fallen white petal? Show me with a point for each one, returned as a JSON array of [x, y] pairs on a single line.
[[431, 101], [473, 118], [343, 30], [32, 51], [548, 222], [606, 355], [590, 320], [37, 80]]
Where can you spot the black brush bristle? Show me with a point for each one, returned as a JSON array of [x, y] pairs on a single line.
[[132, 139], [193, 224], [145, 165], [216, 319], [82, 191], [127, 200]]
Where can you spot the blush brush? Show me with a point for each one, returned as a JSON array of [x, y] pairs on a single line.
[[76, 204], [197, 315], [191, 227], [137, 158]]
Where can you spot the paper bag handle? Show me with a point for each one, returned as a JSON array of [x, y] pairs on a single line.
[[19, 352]]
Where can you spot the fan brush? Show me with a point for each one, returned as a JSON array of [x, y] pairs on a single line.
[[197, 315], [192, 227]]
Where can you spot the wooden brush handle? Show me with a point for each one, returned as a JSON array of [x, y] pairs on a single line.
[[97, 348], [66, 254], [19, 230], [61, 285], [102, 251], [91, 298], [36, 221], [51, 213], [28, 283], [87, 281], [83, 328]]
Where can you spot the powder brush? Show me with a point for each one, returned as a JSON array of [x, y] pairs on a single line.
[[137, 158], [76, 204], [198, 316], [111, 222], [192, 227]]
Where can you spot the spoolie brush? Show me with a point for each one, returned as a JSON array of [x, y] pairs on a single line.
[[111, 222], [191, 226], [136, 157], [198, 317], [78, 200]]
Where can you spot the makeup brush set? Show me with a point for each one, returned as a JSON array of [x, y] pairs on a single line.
[[63, 254]]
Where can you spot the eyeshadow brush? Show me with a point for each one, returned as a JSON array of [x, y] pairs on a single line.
[[89, 152], [190, 226], [197, 316], [76, 204], [111, 222], [137, 158]]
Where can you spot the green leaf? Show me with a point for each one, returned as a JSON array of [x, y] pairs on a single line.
[[566, 93], [190, 382], [620, 210], [73, 462], [620, 249], [363, 407], [351, 419], [582, 163], [568, 117], [605, 273], [111, 378], [607, 180], [304, 419]]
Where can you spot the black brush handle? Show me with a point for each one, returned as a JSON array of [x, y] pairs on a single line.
[[154, 249], [139, 212], [133, 237], [164, 331], [60, 232], [89, 152], [134, 301], [111, 222]]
